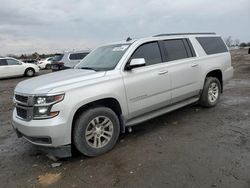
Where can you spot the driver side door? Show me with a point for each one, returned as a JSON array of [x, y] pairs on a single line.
[[148, 87]]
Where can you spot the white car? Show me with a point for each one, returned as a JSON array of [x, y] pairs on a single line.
[[45, 63], [10, 67]]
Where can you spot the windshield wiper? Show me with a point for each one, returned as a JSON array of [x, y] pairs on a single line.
[[88, 68]]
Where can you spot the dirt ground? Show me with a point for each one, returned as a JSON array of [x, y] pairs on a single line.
[[190, 147]]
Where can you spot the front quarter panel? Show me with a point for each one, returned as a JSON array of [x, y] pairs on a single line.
[[109, 86]]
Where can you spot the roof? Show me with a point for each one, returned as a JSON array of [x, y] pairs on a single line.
[[173, 34]]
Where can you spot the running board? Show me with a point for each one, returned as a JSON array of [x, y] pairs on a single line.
[[159, 112]]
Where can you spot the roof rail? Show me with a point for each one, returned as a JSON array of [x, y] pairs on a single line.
[[170, 34]]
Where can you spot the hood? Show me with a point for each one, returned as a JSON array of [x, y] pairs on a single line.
[[45, 83]]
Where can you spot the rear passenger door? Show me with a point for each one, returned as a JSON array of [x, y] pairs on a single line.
[[149, 87], [183, 68]]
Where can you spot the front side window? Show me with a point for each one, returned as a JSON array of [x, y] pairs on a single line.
[[150, 52], [104, 58], [12, 62], [3, 62], [175, 49]]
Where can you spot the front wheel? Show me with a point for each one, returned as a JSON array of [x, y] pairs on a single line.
[[211, 92], [48, 66], [29, 72], [96, 131]]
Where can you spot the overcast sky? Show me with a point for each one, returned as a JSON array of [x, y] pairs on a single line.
[[46, 26]]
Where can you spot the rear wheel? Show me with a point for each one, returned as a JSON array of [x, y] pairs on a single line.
[[29, 72], [96, 131], [48, 66], [211, 92]]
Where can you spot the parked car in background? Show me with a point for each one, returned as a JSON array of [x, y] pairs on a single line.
[[67, 60], [11, 67], [45, 63], [32, 61]]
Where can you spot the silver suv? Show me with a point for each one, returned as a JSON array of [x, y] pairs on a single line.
[[67, 60], [120, 85]]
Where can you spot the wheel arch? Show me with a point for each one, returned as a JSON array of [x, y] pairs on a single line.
[[217, 73], [109, 102]]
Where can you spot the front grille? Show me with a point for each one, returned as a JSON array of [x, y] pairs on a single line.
[[22, 99], [22, 113]]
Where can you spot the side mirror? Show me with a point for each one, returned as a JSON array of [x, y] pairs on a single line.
[[134, 63]]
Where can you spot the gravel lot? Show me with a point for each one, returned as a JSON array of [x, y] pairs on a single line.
[[190, 147]]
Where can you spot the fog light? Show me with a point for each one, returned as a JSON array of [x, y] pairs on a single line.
[[42, 110]]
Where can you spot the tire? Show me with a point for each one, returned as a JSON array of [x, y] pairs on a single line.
[[48, 66], [211, 92], [92, 138], [29, 72]]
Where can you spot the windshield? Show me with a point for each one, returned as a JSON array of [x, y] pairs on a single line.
[[57, 57], [103, 58]]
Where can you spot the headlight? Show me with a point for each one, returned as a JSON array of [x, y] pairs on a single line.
[[41, 100], [43, 106]]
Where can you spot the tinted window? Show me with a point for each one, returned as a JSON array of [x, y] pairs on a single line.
[[82, 55], [212, 45], [175, 49], [58, 57], [12, 62], [150, 52], [77, 56], [3, 62]]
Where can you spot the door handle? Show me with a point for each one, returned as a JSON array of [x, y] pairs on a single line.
[[194, 65], [163, 72]]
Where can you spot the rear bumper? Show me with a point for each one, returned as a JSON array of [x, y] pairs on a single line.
[[41, 66]]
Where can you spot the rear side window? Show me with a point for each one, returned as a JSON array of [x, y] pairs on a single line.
[[3, 62], [12, 62], [175, 49], [77, 56], [212, 45], [150, 52]]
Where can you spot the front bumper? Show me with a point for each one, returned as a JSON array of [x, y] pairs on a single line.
[[60, 152], [52, 132]]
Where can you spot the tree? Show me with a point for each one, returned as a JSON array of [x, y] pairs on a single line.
[[243, 44], [229, 41], [236, 42]]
